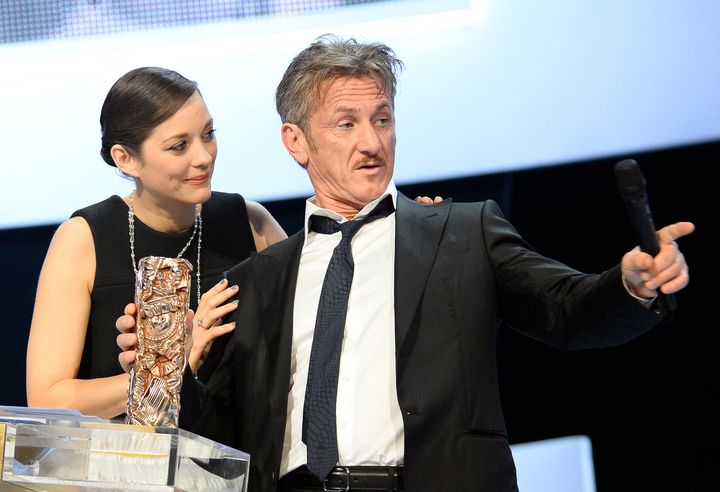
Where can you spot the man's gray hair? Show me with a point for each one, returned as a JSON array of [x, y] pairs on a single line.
[[328, 58]]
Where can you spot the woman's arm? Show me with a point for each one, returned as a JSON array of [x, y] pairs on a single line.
[[59, 327], [266, 230]]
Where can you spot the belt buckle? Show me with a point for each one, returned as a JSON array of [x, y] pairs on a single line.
[[347, 481]]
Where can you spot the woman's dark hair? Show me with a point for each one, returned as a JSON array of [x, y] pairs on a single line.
[[138, 102]]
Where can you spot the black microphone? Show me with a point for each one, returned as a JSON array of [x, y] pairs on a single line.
[[631, 184]]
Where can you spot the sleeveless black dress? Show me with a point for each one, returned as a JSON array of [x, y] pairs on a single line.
[[226, 240]]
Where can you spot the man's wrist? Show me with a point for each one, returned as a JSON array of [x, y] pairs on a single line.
[[645, 301]]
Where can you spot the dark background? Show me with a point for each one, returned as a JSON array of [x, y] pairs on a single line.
[[647, 406]]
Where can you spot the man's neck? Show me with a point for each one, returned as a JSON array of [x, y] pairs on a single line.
[[347, 210]]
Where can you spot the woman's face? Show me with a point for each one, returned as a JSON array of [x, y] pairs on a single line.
[[177, 159]]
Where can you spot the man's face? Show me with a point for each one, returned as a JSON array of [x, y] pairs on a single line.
[[350, 144]]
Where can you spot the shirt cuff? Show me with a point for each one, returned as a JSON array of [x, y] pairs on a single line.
[[645, 302]]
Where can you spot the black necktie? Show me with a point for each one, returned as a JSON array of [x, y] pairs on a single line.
[[319, 428]]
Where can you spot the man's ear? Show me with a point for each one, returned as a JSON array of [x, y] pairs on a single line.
[[124, 160], [295, 142]]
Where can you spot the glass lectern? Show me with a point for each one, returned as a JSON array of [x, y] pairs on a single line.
[[63, 450]]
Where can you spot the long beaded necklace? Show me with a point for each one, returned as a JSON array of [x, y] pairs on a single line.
[[196, 230]]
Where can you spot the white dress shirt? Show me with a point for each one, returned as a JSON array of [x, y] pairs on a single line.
[[369, 421]]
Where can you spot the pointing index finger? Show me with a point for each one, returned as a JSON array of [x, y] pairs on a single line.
[[670, 233]]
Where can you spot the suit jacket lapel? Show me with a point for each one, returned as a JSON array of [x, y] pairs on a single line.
[[275, 272], [418, 229]]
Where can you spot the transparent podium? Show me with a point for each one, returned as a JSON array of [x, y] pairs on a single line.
[[62, 450]]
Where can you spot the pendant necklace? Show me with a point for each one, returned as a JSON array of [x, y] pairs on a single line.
[[196, 230]]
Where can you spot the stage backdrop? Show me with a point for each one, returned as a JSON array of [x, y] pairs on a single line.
[[489, 85]]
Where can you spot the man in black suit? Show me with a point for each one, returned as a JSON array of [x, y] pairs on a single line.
[[417, 402]]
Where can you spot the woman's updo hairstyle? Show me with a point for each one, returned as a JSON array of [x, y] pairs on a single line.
[[138, 102]]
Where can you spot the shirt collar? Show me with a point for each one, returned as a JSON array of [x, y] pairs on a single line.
[[312, 209]]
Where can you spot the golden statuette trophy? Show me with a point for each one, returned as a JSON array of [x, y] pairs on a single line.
[[162, 295]]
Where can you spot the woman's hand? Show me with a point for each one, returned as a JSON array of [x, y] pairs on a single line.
[[426, 200], [206, 324], [127, 339], [203, 326]]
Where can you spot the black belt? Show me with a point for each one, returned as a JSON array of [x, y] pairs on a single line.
[[346, 478]]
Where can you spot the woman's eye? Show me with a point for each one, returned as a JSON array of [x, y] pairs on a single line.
[[210, 135], [179, 147]]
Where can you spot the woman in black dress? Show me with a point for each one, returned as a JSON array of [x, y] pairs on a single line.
[[156, 129]]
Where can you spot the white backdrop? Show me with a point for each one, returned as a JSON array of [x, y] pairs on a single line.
[[489, 85]]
